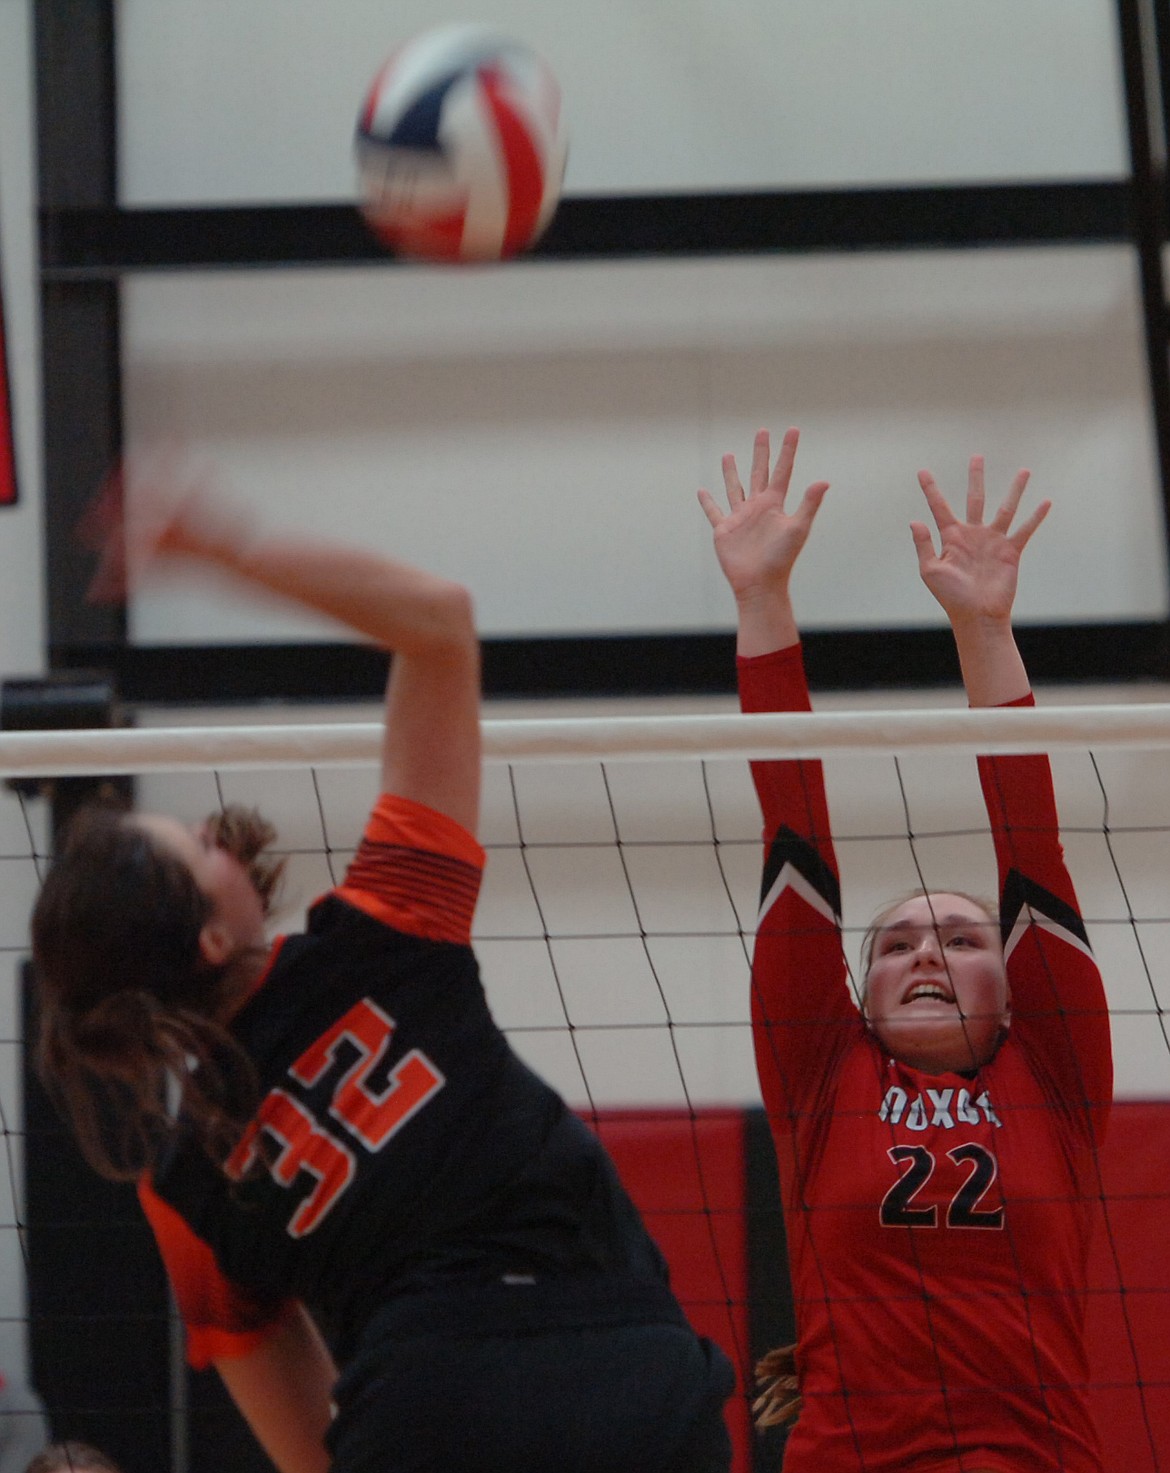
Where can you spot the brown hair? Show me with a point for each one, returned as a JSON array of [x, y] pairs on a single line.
[[988, 907], [63, 1457], [131, 1043]]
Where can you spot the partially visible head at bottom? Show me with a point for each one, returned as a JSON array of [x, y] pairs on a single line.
[[65, 1457], [935, 990]]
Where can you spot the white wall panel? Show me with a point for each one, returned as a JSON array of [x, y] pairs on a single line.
[[539, 432], [227, 101]]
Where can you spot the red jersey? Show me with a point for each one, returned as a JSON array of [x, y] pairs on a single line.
[[938, 1225]]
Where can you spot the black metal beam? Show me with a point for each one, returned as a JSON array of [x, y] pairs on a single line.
[[770, 1305], [81, 345], [104, 243], [615, 664], [98, 1333], [1160, 21], [1149, 216], [96, 1290], [9, 481]]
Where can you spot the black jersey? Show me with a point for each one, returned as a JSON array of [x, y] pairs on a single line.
[[401, 1148]]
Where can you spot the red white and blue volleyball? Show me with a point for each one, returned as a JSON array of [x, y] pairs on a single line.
[[461, 147]]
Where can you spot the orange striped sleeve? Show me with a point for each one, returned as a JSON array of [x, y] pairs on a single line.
[[417, 870], [221, 1319]]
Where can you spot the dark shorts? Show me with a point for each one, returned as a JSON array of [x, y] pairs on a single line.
[[624, 1399]]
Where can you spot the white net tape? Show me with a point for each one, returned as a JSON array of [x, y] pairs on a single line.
[[812, 734]]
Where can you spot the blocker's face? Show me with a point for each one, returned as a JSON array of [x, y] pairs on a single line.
[[936, 994]]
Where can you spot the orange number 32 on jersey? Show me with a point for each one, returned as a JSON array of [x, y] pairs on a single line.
[[370, 1113]]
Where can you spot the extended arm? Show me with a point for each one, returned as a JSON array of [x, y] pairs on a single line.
[[431, 751], [799, 996], [268, 1352], [757, 542], [1059, 1008], [283, 1389]]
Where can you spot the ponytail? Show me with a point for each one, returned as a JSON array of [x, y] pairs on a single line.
[[130, 1047]]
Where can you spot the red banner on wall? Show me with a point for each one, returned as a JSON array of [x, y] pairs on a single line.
[[7, 448]]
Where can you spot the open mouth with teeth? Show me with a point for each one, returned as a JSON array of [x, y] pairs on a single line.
[[929, 992]]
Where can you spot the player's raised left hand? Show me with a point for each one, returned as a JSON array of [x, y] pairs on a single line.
[[974, 573]]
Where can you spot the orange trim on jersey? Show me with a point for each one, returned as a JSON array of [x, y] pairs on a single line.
[[206, 1345], [398, 820], [221, 1319], [417, 870]]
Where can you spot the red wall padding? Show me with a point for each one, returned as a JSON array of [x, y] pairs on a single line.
[[688, 1178], [1128, 1319]]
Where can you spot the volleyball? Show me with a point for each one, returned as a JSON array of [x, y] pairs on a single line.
[[461, 147]]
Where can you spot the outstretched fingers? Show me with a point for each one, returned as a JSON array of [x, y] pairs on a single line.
[[710, 506], [731, 482], [810, 503], [923, 543], [1023, 533], [940, 508], [760, 483], [1003, 517], [732, 485], [944, 517], [785, 460], [976, 494], [759, 480], [761, 458]]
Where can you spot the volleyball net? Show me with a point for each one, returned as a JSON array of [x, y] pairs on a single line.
[[615, 933]]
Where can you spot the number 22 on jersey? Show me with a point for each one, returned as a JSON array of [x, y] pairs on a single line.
[[965, 1209], [368, 1103]]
